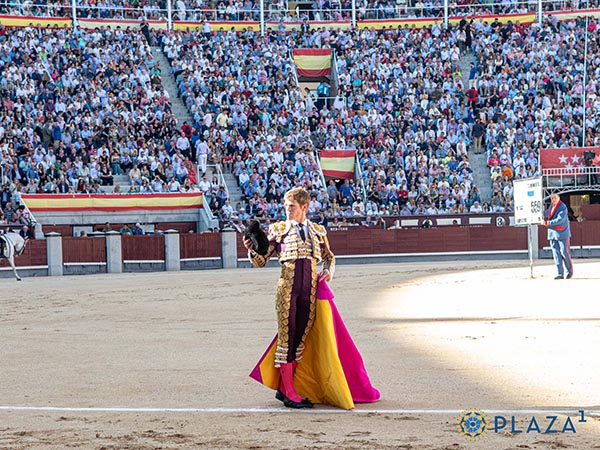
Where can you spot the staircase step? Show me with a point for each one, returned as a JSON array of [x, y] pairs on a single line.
[[481, 172], [168, 82]]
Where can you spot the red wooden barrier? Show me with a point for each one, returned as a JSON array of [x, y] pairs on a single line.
[[368, 241], [63, 230], [84, 250], [34, 255], [360, 240], [591, 212], [343, 241], [143, 248], [582, 234], [241, 250], [203, 245]]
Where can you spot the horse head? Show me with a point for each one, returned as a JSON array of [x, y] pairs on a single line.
[[19, 243]]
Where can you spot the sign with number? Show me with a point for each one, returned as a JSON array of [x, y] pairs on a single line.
[[529, 206]]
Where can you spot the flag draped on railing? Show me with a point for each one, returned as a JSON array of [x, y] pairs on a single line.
[[313, 62], [338, 163], [111, 202], [569, 159]]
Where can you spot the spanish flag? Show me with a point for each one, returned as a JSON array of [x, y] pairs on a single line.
[[313, 62], [111, 202], [338, 163]]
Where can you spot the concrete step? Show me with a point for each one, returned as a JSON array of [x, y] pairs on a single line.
[[465, 67], [121, 179], [235, 193], [182, 114], [481, 175], [168, 82], [481, 172]]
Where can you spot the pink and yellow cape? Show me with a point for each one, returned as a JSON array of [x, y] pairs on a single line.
[[332, 371]]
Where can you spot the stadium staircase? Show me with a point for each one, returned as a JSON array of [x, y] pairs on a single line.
[[312, 84], [235, 192], [168, 81], [182, 114], [120, 180], [481, 172]]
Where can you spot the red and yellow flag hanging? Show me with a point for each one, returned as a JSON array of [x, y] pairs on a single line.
[[338, 163], [111, 202], [313, 62]]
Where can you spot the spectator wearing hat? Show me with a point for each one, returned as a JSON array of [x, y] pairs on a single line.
[[138, 230]]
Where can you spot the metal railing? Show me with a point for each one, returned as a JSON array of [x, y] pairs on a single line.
[[213, 221], [216, 170], [284, 19], [358, 175], [220, 177], [321, 174], [208, 211], [294, 70], [30, 217], [576, 176]]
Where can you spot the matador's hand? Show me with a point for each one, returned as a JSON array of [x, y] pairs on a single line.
[[325, 275], [248, 243]]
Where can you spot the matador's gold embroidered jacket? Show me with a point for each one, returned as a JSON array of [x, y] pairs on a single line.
[[286, 244]]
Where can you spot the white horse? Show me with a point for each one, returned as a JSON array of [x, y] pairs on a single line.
[[11, 245]]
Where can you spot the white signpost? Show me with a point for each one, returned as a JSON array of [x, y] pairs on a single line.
[[529, 209]]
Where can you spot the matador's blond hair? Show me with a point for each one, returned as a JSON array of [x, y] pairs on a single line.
[[298, 194]]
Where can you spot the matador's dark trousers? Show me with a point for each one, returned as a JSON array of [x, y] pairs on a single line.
[[295, 304]]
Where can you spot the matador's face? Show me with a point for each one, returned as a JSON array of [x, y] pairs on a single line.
[[295, 211]]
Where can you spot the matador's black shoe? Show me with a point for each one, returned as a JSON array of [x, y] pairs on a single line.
[[306, 403]]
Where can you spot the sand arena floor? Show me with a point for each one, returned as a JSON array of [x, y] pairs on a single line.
[[172, 352]]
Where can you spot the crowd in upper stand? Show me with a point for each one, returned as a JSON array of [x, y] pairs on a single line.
[[80, 107], [248, 10], [530, 84], [402, 104], [257, 123]]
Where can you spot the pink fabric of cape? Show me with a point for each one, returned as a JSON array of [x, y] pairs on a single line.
[[332, 370]]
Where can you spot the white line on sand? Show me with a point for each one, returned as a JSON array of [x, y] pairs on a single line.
[[318, 410]]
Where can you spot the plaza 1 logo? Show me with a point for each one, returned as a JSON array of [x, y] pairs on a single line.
[[473, 424]]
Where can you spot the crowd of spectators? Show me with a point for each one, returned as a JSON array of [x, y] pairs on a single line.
[[529, 95], [80, 107], [103, 9], [181, 10], [402, 105], [407, 116], [240, 89]]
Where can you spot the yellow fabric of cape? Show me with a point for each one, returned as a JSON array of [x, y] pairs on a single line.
[[319, 376]]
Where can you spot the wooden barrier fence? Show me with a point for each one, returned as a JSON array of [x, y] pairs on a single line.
[[208, 250]]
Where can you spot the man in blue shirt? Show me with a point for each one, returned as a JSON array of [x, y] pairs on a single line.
[[559, 236], [138, 230], [322, 94]]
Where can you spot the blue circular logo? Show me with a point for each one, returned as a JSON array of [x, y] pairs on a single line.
[[472, 424]]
